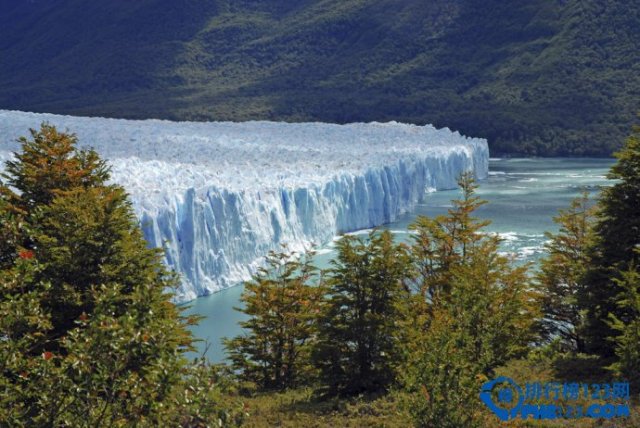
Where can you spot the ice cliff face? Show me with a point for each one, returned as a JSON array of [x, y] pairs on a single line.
[[219, 196]]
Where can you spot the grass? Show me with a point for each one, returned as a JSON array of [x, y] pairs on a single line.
[[303, 408]]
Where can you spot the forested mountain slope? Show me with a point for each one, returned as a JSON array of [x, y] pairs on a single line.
[[539, 77]]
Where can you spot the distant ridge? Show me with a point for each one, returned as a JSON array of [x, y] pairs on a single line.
[[537, 77]]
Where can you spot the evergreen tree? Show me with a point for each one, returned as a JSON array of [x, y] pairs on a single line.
[[359, 335], [282, 301], [88, 334], [477, 313], [616, 236], [562, 272]]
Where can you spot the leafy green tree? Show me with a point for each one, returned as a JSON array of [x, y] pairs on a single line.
[[478, 313], [359, 337], [442, 384], [447, 240], [88, 333], [562, 273], [616, 236], [282, 301], [627, 340], [486, 320], [50, 162]]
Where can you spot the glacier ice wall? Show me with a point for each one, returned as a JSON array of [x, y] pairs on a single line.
[[218, 196]]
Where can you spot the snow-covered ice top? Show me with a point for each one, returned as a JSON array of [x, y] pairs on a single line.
[[203, 187], [240, 156]]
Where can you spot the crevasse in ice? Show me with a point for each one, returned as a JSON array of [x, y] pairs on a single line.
[[219, 195]]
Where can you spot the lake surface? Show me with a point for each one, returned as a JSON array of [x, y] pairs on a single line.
[[524, 195]]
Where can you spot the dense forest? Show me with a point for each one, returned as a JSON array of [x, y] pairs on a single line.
[[535, 77], [391, 334]]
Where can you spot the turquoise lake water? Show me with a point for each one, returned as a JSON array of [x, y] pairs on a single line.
[[523, 195]]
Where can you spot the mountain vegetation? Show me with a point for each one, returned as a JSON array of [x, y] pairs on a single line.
[[535, 77]]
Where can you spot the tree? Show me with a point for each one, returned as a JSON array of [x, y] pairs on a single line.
[[442, 384], [282, 301], [484, 321], [88, 333], [562, 273], [447, 240], [50, 162], [616, 236], [627, 341], [359, 336], [477, 313]]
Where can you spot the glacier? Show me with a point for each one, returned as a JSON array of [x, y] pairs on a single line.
[[217, 196]]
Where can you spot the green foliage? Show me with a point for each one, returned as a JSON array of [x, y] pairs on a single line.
[[478, 313], [492, 304], [206, 396], [442, 383], [48, 163], [534, 77], [562, 272], [616, 238], [88, 334], [359, 335], [10, 228], [282, 301], [627, 327], [446, 241]]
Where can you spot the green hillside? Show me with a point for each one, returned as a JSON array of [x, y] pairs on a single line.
[[537, 77]]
